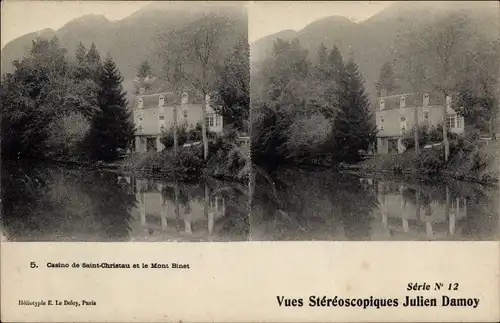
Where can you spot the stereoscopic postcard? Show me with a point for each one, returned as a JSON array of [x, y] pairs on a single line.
[[250, 161]]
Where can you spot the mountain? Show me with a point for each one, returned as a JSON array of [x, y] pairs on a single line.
[[131, 40], [374, 41]]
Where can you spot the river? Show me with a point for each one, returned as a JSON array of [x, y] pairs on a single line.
[[306, 205], [54, 203]]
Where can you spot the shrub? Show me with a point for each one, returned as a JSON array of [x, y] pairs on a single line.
[[184, 135], [191, 159], [430, 164]]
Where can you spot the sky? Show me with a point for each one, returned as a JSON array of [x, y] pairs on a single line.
[[269, 17], [19, 17]]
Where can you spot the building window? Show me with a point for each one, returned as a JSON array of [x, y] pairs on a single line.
[[450, 122], [185, 114], [210, 119], [459, 122], [162, 117], [217, 121]]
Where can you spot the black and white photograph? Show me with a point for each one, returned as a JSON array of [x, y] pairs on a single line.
[[375, 121], [125, 121], [217, 121], [260, 161]]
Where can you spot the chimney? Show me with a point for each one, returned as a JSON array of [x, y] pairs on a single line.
[[402, 102], [382, 104], [448, 102], [426, 100], [142, 90], [383, 92]]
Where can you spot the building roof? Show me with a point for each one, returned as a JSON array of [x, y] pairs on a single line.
[[171, 98], [411, 100]]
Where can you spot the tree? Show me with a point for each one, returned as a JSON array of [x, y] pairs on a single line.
[[144, 69], [335, 64], [354, 130], [231, 96], [477, 99], [81, 53], [41, 92], [296, 96], [93, 63], [204, 37], [111, 127], [387, 80], [324, 83], [433, 58], [322, 57], [172, 51]]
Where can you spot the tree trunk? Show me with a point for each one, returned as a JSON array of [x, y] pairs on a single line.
[[445, 133], [417, 148], [175, 132], [206, 201], [176, 202], [204, 126]]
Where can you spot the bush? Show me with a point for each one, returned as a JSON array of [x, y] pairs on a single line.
[[191, 159], [184, 135], [429, 164], [226, 158]]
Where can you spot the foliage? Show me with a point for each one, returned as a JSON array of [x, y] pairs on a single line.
[[426, 135], [354, 130], [184, 135], [296, 93], [46, 202], [144, 69], [307, 136], [231, 96], [112, 128], [66, 134], [387, 79], [199, 43], [450, 56], [477, 99], [228, 158], [42, 90]]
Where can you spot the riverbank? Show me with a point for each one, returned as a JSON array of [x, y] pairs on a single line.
[[228, 159], [226, 163], [479, 165]]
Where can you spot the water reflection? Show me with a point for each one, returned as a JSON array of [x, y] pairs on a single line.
[[62, 204], [58, 204], [323, 205], [42, 203], [187, 211]]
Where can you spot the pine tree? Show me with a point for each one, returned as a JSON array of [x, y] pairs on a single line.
[[335, 64], [354, 129], [93, 56], [112, 128], [81, 53], [322, 55], [93, 63]]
